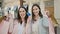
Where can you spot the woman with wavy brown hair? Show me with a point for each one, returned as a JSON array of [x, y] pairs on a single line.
[[21, 23], [40, 23]]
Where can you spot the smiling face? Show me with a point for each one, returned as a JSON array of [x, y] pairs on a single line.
[[35, 10], [48, 13], [22, 12]]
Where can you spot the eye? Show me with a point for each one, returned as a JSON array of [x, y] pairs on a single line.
[[19, 11], [23, 11], [36, 9]]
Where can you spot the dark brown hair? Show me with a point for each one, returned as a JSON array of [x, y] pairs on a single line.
[[19, 17], [40, 14]]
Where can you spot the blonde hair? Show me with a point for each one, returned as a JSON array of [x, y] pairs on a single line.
[[2, 18]]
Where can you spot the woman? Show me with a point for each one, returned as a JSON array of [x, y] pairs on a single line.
[[51, 25], [39, 22], [5, 25], [20, 24]]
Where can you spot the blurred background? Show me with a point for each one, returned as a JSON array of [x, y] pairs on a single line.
[[52, 6]]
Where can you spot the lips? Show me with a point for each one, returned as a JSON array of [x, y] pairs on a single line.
[[22, 14], [35, 12]]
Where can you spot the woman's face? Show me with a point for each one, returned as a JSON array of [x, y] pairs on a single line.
[[22, 12], [35, 10], [47, 13]]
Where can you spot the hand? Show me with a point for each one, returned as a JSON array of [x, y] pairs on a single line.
[[29, 19]]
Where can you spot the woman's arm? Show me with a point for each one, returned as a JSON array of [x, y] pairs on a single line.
[[29, 25], [11, 23], [15, 27], [48, 23], [51, 27], [45, 22], [29, 28]]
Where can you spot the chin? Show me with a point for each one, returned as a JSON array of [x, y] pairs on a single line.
[[22, 17]]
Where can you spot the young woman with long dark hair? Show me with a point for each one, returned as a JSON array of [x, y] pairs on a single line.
[[20, 24], [39, 22]]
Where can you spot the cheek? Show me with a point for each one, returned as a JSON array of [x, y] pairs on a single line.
[[33, 11], [48, 14], [20, 14], [24, 14], [37, 11]]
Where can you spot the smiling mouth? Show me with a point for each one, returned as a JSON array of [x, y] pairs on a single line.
[[36, 12]]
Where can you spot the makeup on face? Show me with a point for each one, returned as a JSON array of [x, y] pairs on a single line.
[[22, 12], [35, 10]]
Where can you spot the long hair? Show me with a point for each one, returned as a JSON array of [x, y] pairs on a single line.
[[19, 17], [2, 18], [40, 14]]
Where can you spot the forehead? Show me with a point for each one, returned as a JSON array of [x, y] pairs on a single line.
[[21, 9], [34, 7]]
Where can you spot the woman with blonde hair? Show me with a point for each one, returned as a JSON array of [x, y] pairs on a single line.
[[6, 25]]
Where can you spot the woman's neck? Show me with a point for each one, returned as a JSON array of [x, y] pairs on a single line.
[[36, 17], [23, 20]]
